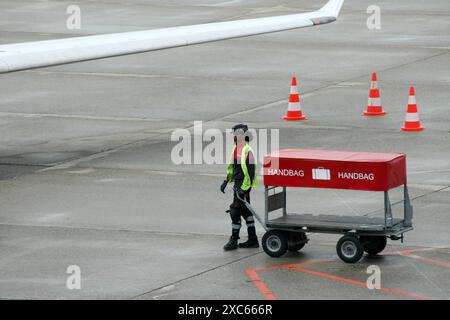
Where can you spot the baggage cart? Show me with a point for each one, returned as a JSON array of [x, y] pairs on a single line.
[[296, 168]]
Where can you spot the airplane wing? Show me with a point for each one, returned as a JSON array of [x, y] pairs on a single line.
[[28, 55]]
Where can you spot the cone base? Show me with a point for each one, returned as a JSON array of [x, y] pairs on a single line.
[[412, 129], [374, 114], [296, 118]]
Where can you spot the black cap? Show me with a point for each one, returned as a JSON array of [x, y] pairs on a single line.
[[240, 126]]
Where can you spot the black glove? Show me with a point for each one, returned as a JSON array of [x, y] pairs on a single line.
[[223, 186]]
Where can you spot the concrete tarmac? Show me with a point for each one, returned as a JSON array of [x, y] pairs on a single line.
[[86, 176]]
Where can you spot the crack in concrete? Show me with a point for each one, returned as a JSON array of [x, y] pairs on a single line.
[[194, 276], [153, 232]]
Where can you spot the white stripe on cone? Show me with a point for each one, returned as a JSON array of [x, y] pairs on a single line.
[[294, 90], [374, 102], [294, 106], [374, 85], [412, 117], [412, 100]]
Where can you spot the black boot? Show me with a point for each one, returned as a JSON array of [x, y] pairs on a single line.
[[231, 245], [250, 243]]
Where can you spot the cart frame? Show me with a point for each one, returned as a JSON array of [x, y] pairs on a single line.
[[362, 230], [278, 201]]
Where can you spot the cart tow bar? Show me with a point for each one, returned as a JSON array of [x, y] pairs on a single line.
[[253, 212]]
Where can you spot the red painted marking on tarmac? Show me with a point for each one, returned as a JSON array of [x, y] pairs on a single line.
[[430, 261], [268, 294], [253, 276], [359, 283], [409, 251], [287, 266], [262, 287]]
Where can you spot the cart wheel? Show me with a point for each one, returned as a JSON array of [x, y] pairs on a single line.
[[373, 244], [275, 243], [349, 249], [296, 241]]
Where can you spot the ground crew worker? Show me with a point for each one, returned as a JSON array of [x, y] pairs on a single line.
[[241, 171]]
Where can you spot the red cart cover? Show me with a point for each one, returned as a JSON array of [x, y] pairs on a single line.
[[335, 169]]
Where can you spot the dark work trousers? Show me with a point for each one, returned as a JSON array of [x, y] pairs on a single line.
[[238, 210]]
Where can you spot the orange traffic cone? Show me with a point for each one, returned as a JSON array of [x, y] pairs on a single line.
[[294, 110], [374, 107], [412, 122]]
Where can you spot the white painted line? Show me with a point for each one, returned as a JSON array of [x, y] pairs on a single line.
[[223, 4], [73, 163], [51, 217], [79, 117], [83, 171], [179, 173], [76, 162], [347, 84], [440, 48], [121, 75], [109, 180], [429, 171], [428, 187], [266, 106]]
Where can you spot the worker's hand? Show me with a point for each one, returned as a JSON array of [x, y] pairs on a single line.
[[223, 186]]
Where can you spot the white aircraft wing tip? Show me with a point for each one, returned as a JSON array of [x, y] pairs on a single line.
[[23, 56], [332, 8]]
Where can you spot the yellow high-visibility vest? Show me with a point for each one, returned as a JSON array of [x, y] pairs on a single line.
[[247, 183]]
